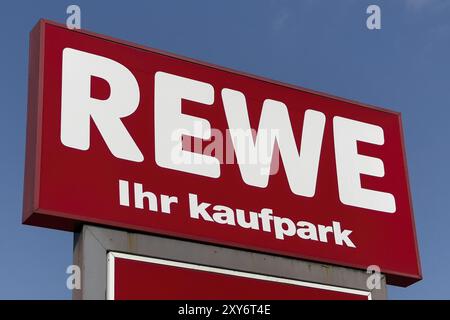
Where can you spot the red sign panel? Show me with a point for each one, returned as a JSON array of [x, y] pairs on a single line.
[[130, 137], [132, 277]]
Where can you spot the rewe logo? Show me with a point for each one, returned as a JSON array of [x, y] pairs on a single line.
[[170, 123]]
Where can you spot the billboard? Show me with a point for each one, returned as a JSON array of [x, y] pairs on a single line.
[[133, 277], [130, 137]]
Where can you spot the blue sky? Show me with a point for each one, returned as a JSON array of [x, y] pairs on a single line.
[[322, 45]]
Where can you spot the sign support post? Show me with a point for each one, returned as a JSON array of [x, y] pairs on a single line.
[[92, 245]]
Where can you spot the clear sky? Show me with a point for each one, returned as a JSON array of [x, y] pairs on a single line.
[[322, 45]]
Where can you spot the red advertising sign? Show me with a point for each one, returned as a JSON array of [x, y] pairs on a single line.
[[132, 277], [130, 137]]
